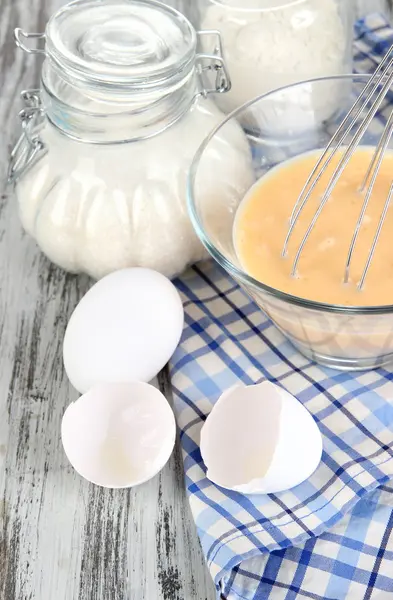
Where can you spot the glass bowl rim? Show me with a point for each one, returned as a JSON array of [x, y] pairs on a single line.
[[238, 274]]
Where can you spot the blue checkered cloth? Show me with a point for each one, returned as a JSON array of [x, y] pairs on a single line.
[[331, 537]]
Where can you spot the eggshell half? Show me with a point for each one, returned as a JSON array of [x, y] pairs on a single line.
[[119, 435], [126, 328], [260, 440]]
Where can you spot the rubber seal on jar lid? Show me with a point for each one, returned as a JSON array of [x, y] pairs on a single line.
[[121, 43]]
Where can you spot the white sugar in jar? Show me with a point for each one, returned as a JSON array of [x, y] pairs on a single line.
[[270, 44], [100, 171]]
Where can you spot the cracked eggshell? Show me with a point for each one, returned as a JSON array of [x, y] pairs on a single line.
[[124, 329], [119, 435], [260, 440]]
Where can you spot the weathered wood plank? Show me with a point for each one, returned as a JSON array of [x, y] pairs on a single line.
[[60, 537]]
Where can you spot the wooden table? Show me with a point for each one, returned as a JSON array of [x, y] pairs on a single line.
[[63, 539]]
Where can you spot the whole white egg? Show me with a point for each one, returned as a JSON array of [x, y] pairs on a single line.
[[260, 440], [125, 329]]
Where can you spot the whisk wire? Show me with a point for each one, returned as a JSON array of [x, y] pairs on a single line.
[[376, 238], [384, 78], [374, 172], [373, 162], [374, 82]]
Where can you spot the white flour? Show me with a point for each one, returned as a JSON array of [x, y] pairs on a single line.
[[269, 49]]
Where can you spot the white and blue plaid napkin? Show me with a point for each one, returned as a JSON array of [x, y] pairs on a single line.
[[330, 538]]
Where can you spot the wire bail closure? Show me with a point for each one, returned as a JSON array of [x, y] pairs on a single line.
[[21, 37], [216, 62], [30, 147]]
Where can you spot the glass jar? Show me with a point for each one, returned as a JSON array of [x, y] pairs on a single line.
[[101, 166], [270, 44]]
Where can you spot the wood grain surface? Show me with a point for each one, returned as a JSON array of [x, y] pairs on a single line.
[[61, 538]]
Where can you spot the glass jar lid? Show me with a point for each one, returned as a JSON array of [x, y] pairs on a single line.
[[119, 43]]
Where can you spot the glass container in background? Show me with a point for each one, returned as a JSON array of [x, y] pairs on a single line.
[[274, 43], [101, 166]]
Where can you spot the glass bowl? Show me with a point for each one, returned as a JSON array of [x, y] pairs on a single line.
[[279, 126]]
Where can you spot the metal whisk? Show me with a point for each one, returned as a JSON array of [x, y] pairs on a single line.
[[382, 78]]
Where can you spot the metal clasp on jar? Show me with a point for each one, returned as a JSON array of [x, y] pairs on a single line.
[[20, 37], [30, 147], [214, 62]]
